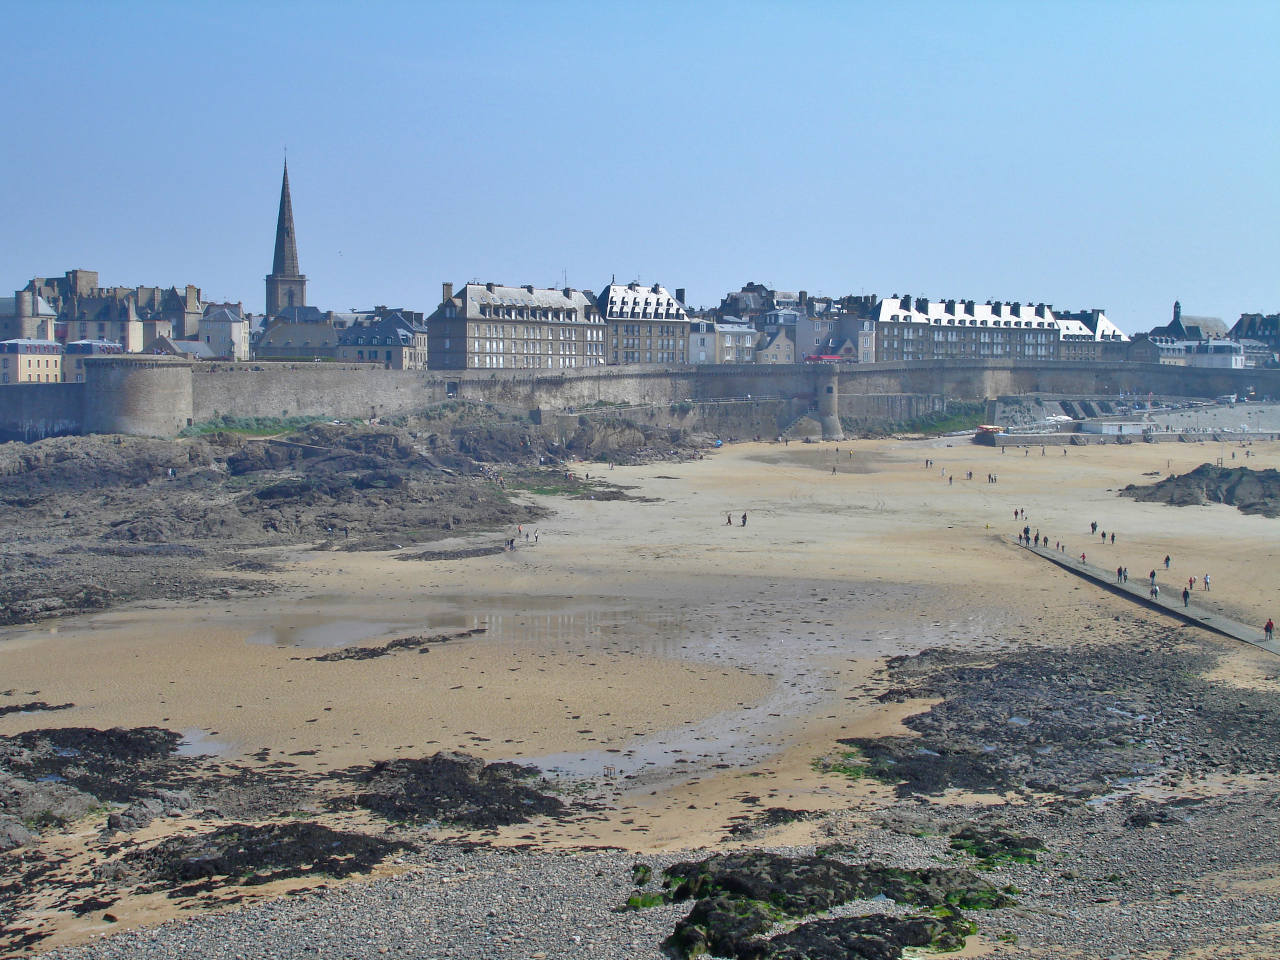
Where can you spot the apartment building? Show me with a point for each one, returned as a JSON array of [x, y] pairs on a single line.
[[645, 324], [489, 326]]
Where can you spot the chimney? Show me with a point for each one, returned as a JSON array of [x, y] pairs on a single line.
[[489, 287], [528, 288], [446, 291], [680, 295], [804, 297]]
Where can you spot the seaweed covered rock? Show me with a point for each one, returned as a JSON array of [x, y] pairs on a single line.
[[119, 764], [876, 937], [721, 925], [453, 787], [741, 895], [994, 844], [802, 885], [252, 855]]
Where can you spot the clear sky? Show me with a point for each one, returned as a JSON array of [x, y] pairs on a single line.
[[1101, 154]]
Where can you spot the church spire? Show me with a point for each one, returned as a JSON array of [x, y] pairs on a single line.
[[286, 286], [286, 262]]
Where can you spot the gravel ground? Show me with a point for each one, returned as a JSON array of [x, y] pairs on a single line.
[[457, 903], [1105, 887]]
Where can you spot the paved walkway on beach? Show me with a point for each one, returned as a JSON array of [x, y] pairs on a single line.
[[1139, 589]]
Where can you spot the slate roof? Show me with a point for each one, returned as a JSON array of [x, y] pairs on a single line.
[[186, 348], [389, 330], [222, 315]]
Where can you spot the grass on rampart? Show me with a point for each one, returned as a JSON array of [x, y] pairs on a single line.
[[249, 426], [958, 415]]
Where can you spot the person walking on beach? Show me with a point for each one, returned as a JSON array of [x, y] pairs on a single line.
[[1186, 596], [1191, 583], [1155, 592], [1104, 536], [1093, 527], [1113, 538], [1153, 578], [728, 519], [1082, 558], [1119, 574], [1268, 629], [1205, 581], [744, 519], [1126, 574], [1167, 560]]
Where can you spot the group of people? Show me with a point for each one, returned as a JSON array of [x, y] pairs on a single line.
[[521, 534]]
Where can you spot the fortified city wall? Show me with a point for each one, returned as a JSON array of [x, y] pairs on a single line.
[[159, 396]]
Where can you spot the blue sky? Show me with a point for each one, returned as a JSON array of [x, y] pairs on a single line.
[[1115, 155]]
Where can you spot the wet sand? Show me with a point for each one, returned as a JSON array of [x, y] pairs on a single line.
[[691, 671], [651, 637]]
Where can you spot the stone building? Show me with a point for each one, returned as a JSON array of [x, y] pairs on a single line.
[[489, 326], [287, 340], [74, 353], [131, 316], [23, 360], [26, 316], [775, 347], [728, 341], [1256, 326], [286, 286], [226, 333], [906, 328], [390, 338], [645, 324]]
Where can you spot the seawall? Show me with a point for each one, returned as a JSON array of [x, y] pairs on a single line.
[[159, 396]]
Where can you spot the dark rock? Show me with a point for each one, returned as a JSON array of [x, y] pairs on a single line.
[[1249, 491], [452, 787], [253, 855]]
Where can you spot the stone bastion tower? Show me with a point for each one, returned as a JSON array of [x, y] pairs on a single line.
[[829, 403], [286, 286]]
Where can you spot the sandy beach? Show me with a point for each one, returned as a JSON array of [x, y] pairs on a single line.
[[680, 669]]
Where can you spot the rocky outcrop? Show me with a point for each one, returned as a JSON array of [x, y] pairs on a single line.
[[1249, 491]]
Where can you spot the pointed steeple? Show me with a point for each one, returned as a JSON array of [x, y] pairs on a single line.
[[286, 262], [286, 286]]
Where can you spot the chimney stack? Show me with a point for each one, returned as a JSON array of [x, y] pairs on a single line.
[[446, 291], [680, 295]]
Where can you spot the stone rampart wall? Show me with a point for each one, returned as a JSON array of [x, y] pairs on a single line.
[[33, 411], [309, 389], [155, 395]]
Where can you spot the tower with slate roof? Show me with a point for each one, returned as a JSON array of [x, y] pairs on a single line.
[[286, 286]]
